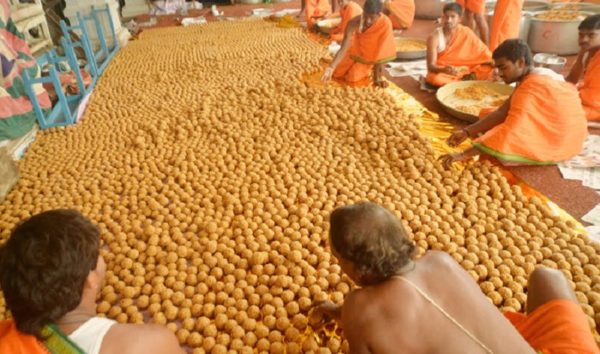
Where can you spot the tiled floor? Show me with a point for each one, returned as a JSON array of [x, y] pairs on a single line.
[[576, 199]]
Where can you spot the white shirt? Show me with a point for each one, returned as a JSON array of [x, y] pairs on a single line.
[[90, 335]]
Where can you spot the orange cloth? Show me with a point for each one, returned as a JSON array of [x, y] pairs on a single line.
[[475, 6], [506, 22], [14, 342], [557, 327], [589, 91], [373, 46], [314, 9], [402, 13], [465, 49], [545, 124], [348, 12]]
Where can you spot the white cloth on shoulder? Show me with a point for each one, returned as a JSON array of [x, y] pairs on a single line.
[[90, 335]]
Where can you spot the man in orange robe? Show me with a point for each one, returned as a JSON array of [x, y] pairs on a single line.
[[348, 10], [587, 66], [314, 10], [401, 12], [542, 123], [506, 22], [368, 44], [454, 51], [475, 17]]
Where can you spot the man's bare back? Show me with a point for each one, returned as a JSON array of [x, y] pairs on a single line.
[[392, 317]]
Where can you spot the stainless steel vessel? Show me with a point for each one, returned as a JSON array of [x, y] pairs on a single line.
[[555, 36]]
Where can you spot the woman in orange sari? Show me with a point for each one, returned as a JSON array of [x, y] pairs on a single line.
[[314, 10], [368, 44], [348, 10]]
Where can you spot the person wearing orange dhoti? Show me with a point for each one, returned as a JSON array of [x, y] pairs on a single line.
[[401, 12], [586, 70], [368, 44], [475, 17], [314, 10], [543, 122], [506, 22], [454, 51], [558, 326], [348, 10]]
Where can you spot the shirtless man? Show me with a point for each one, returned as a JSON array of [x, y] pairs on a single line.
[[454, 52], [51, 273], [430, 304]]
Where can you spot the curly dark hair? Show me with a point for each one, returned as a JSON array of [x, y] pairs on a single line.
[[44, 265], [513, 50], [372, 238]]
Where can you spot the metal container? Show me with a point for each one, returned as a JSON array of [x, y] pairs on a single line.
[[536, 5], [525, 26], [279, 1], [579, 6], [413, 54], [555, 36], [550, 61], [327, 25], [251, 2]]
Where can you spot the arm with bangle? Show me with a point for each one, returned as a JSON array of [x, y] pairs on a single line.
[[491, 120], [352, 26], [481, 126]]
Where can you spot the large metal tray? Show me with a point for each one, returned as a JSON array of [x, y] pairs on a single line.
[[417, 54], [445, 96]]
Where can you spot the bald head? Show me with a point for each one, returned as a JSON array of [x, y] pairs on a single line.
[[372, 238]]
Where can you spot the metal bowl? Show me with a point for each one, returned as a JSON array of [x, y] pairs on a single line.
[[445, 96], [250, 2], [551, 61], [328, 24], [555, 36], [411, 55]]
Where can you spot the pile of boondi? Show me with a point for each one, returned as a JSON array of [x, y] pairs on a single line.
[[212, 170]]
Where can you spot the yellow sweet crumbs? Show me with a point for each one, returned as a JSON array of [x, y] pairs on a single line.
[[479, 97], [211, 171], [410, 46], [475, 92], [562, 14]]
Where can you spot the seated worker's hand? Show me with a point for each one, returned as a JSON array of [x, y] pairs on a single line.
[[450, 70], [448, 159], [327, 74], [381, 84], [323, 311], [457, 138]]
